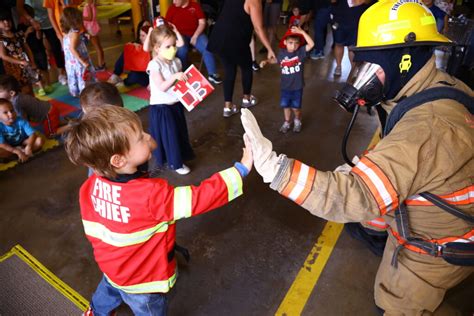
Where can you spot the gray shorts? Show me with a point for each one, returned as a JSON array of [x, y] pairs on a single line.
[[271, 14]]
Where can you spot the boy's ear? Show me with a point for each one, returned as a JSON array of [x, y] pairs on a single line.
[[118, 161]]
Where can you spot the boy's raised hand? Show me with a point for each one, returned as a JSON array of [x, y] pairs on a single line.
[[297, 29], [247, 156]]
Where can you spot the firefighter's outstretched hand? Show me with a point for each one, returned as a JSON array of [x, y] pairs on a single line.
[[265, 159]]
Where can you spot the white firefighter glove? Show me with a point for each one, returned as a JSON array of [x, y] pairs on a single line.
[[345, 168], [265, 159]]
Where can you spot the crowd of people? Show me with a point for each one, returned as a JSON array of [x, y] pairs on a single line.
[[45, 34], [121, 204]]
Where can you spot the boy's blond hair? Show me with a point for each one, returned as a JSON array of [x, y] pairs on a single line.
[[158, 35], [99, 135]]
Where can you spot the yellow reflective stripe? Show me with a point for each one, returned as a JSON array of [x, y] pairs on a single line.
[[148, 287], [233, 181], [101, 232], [392, 26], [427, 20], [182, 203]]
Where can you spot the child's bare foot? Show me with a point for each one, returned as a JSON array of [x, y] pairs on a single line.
[[28, 151]]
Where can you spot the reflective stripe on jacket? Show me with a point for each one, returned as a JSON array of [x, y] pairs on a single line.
[[131, 225]]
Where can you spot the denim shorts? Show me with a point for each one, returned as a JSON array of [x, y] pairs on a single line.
[[291, 98]]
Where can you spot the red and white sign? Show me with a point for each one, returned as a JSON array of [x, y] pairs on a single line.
[[194, 90]]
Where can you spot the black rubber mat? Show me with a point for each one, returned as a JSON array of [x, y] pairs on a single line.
[[24, 292]]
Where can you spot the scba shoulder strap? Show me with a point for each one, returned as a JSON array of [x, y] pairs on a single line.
[[441, 203], [423, 97]]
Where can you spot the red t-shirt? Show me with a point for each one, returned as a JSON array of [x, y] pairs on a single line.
[[295, 20], [186, 19]]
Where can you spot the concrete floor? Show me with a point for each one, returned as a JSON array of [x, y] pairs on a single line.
[[245, 255]]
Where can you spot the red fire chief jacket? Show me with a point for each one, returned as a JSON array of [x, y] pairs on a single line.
[[131, 224]]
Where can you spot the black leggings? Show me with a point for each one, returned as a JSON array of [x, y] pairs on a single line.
[[230, 68], [56, 47]]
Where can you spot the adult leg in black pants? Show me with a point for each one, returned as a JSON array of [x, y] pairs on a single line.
[[58, 54], [230, 68]]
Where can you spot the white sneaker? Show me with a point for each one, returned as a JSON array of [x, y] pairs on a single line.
[[183, 170], [285, 127], [114, 79], [246, 103], [62, 79], [228, 112], [297, 126]]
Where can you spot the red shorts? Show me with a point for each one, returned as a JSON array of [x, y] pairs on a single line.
[[51, 123]]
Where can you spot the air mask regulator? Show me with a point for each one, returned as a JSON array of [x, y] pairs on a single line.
[[362, 88]]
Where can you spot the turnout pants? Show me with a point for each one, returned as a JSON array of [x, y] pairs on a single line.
[[418, 285]]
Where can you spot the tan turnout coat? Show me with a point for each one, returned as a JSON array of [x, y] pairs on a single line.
[[430, 149]]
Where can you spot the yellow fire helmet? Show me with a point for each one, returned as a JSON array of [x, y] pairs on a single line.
[[397, 23]]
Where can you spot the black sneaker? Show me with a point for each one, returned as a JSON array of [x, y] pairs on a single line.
[[255, 66], [215, 79], [100, 68]]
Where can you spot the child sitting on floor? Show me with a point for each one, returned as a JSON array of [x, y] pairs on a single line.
[[31, 108], [17, 137], [129, 218]]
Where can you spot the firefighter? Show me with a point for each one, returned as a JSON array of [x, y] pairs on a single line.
[[429, 149]]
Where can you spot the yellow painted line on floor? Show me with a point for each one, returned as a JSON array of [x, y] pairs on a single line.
[[296, 298], [48, 276], [305, 281]]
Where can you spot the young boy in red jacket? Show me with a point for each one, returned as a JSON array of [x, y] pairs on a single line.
[[128, 217]]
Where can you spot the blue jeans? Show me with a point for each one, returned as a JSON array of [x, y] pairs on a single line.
[[201, 44], [321, 21], [107, 298]]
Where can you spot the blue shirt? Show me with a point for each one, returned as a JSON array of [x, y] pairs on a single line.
[[439, 17], [437, 12], [15, 134]]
